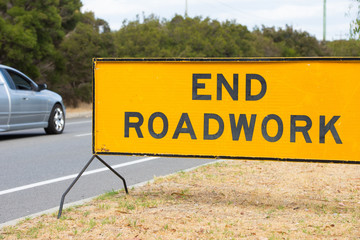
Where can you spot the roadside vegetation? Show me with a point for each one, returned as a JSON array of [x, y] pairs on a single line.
[[225, 200], [54, 42]]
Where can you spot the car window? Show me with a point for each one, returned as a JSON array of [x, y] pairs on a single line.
[[8, 79], [20, 82]]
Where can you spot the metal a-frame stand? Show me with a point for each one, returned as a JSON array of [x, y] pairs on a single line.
[[79, 175]]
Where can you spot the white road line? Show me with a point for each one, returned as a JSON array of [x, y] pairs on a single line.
[[83, 135], [38, 184], [82, 122]]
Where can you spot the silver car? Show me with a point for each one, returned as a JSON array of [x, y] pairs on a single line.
[[25, 104]]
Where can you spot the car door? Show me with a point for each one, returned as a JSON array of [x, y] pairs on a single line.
[[4, 103], [28, 106]]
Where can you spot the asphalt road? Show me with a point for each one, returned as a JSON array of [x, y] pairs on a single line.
[[36, 169]]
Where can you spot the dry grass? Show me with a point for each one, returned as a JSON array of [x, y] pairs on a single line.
[[81, 107], [82, 110], [226, 200]]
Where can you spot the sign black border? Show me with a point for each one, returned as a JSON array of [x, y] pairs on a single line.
[[272, 59]]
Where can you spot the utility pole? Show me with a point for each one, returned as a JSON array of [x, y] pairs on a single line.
[[324, 22], [186, 9]]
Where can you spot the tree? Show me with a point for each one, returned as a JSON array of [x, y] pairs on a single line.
[[355, 25], [293, 43], [344, 47], [31, 31], [183, 37], [90, 38], [147, 39]]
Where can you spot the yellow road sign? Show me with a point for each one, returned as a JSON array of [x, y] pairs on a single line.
[[303, 109]]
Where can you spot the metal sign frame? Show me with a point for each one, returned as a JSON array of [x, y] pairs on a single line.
[[95, 153]]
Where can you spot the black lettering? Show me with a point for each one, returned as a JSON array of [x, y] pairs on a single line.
[[151, 125], [196, 86], [324, 128], [234, 92], [250, 77], [189, 128], [304, 130], [242, 123], [207, 117], [264, 128], [135, 125]]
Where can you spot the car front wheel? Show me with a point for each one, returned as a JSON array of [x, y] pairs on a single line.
[[56, 120]]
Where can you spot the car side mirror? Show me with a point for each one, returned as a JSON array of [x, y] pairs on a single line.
[[42, 87]]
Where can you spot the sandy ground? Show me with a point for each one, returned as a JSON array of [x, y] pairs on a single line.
[[226, 200]]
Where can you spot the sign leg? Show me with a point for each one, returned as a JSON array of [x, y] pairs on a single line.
[[116, 173], [79, 175]]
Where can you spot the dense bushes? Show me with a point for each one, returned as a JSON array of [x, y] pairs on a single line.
[[53, 42]]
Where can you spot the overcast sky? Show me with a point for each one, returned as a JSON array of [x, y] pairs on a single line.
[[305, 15]]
